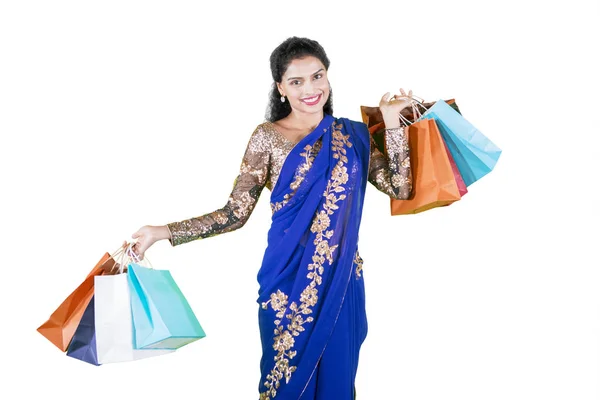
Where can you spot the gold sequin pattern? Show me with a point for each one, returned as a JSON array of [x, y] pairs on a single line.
[[280, 148], [391, 173], [261, 164]]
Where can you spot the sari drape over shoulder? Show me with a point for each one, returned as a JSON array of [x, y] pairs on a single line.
[[311, 310]]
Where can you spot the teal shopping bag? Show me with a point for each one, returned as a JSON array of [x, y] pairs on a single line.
[[475, 155], [161, 315]]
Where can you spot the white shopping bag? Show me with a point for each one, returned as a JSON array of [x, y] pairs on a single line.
[[114, 328]]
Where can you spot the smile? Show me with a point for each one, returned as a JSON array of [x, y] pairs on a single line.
[[311, 101]]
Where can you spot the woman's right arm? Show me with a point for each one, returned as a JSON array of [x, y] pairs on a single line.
[[247, 187]]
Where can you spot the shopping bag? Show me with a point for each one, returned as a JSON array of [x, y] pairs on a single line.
[[162, 317], [434, 184], [63, 322], [460, 182], [462, 187], [475, 155], [114, 329], [83, 344]]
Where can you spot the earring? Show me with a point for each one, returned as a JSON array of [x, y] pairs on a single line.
[[282, 98]]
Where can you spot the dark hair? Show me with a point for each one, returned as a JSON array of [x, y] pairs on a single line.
[[281, 58]]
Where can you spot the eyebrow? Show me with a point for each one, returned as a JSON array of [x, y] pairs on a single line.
[[299, 77]]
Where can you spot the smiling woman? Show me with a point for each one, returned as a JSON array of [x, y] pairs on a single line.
[[311, 300], [304, 85]]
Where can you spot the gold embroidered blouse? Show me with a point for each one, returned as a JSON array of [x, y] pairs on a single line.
[[263, 159]]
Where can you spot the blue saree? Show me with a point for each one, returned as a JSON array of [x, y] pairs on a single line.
[[312, 308]]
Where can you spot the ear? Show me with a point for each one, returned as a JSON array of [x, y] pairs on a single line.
[[279, 88]]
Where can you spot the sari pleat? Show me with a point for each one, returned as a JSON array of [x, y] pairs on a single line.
[[312, 319], [331, 380]]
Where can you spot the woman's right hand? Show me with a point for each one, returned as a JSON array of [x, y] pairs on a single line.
[[148, 235]]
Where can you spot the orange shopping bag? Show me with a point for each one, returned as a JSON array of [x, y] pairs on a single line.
[[61, 326], [434, 184]]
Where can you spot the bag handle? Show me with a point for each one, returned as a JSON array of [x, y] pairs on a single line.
[[126, 252], [415, 110], [131, 254]]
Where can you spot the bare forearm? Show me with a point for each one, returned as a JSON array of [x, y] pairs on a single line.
[[391, 120], [163, 233]]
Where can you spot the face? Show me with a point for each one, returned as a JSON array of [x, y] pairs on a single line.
[[305, 85]]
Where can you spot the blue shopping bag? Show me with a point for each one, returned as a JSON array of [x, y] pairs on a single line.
[[161, 315], [475, 155], [83, 344]]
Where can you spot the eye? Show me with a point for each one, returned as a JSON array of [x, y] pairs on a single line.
[[294, 82], [318, 75]]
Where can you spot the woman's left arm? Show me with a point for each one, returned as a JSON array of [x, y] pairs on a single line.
[[390, 172]]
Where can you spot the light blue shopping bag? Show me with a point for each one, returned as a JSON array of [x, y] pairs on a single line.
[[475, 155], [162, 317]]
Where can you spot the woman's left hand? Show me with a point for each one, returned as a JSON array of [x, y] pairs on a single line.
[[393, 106]]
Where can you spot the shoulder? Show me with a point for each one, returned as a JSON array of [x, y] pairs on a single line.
[[261, 137], [359, 127], [353, 123], [267, 131], [358, 131]]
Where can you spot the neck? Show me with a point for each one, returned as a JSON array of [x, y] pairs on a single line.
[[305, 120]]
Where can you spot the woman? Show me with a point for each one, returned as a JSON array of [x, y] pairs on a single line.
[[312, 308]]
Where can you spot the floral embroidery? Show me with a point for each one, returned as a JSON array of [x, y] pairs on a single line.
[[359, 264], [309, 156], [284, 338]]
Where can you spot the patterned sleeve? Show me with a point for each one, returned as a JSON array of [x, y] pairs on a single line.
[[390, 172], [246, 190]]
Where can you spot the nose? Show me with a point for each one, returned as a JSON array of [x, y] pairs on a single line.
[[308, 89]]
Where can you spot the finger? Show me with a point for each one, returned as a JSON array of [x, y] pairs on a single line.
[[402, 91], [138, 254], [138, 249], [141, 249], [385, 97], [136, 235]]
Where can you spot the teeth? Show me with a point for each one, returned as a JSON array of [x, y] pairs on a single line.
[[311, 99]]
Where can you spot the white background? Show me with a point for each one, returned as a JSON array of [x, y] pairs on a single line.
[[118, 114]]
